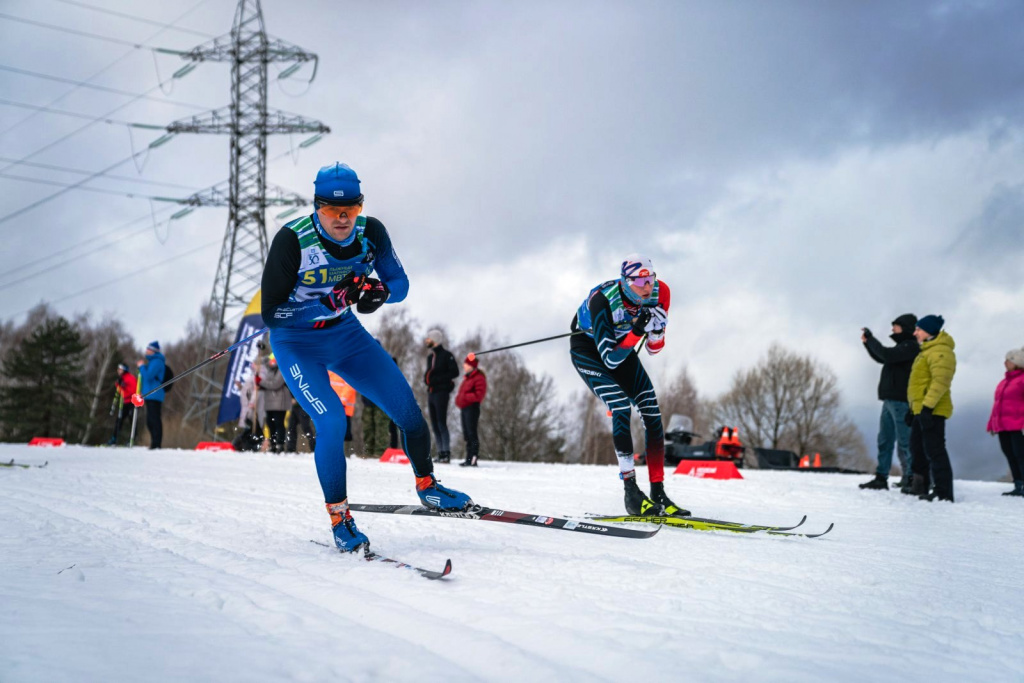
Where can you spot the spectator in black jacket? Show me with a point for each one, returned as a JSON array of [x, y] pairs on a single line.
[[440, 380], [892, 392]]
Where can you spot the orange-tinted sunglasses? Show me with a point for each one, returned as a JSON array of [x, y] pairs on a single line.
[[332, 211]]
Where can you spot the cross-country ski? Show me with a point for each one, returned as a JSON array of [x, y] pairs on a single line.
[[487, 514], [371, 556]]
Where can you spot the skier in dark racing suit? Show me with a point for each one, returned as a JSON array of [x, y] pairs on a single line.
[[615, 317]]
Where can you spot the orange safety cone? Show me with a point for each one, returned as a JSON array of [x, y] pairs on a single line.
[[805, 461], [817, 459]]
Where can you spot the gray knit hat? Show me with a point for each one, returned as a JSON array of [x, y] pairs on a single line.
[[1016, 356], [436, 335]]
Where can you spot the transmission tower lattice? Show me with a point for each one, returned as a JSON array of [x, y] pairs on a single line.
[[248, 121]]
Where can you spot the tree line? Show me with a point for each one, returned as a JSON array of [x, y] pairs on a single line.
[[57, 379]]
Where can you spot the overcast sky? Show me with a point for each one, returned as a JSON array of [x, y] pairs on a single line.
[[795, 170]]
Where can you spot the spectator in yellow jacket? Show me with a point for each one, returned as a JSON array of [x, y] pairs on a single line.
[[931, 405]]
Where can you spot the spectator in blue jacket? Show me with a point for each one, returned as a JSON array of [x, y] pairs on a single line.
[[151, 374]]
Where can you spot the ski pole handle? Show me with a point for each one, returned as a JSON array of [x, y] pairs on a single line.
[[139, 401]]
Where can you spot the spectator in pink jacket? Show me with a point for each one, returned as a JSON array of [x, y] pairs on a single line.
[[1007, 419]]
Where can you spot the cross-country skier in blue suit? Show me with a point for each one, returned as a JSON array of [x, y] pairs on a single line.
[[319, 268]]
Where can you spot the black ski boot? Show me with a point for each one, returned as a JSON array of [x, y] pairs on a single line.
[[1018, 489], [444, 457], [880, 482], [658, 496], [637, 504], [470, 461]]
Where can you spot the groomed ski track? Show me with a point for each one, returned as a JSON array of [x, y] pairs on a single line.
[[175, 565]]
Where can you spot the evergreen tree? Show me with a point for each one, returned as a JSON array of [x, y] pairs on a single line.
[[43, 392]]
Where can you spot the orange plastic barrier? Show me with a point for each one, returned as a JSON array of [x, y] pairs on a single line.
[[46, 441], [805, 461], [396, 455], [214, 446], [708, 469]]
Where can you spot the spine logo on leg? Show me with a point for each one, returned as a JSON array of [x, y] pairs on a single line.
[[316, 403]]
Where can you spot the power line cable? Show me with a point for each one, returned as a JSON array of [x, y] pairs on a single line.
[[65, 169], [73, 186], [111, 65], [78, 254], [77, 115], [128, 275], [50, 255], [76, 186], [101, 88], [91, 241], [133, 17], [72, 31]]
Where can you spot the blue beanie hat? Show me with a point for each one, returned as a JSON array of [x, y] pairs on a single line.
[[932, 324], [153, 345], [337, 184]]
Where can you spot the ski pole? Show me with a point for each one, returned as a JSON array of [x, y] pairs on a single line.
[[139, 401], [135, 417], [535, 341]]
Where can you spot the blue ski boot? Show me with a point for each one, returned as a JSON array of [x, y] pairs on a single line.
[[440, 497], [346, 536]]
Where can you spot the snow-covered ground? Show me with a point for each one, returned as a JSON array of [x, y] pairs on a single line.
[[175, 566]]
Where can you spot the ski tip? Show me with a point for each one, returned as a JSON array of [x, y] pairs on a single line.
[[823, 532], [447, 568]]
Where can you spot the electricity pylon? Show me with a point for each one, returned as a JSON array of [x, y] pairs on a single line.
[[248, 121]]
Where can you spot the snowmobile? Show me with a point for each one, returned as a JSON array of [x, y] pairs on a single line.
[[679, 444]]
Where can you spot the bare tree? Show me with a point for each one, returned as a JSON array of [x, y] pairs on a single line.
[[792, 402], [519, 419], [181, 355], [680, 397], [590, 431], [106, 342]]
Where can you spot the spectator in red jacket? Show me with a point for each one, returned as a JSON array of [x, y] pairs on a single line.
[[126, 384], [471, 395], [1007, 420]]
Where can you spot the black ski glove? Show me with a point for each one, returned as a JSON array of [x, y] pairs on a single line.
[[344, 294], [641, 320], [374, 294], [926, 418], [909, 418]]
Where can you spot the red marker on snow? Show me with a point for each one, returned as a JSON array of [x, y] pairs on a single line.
[[138, 401]]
